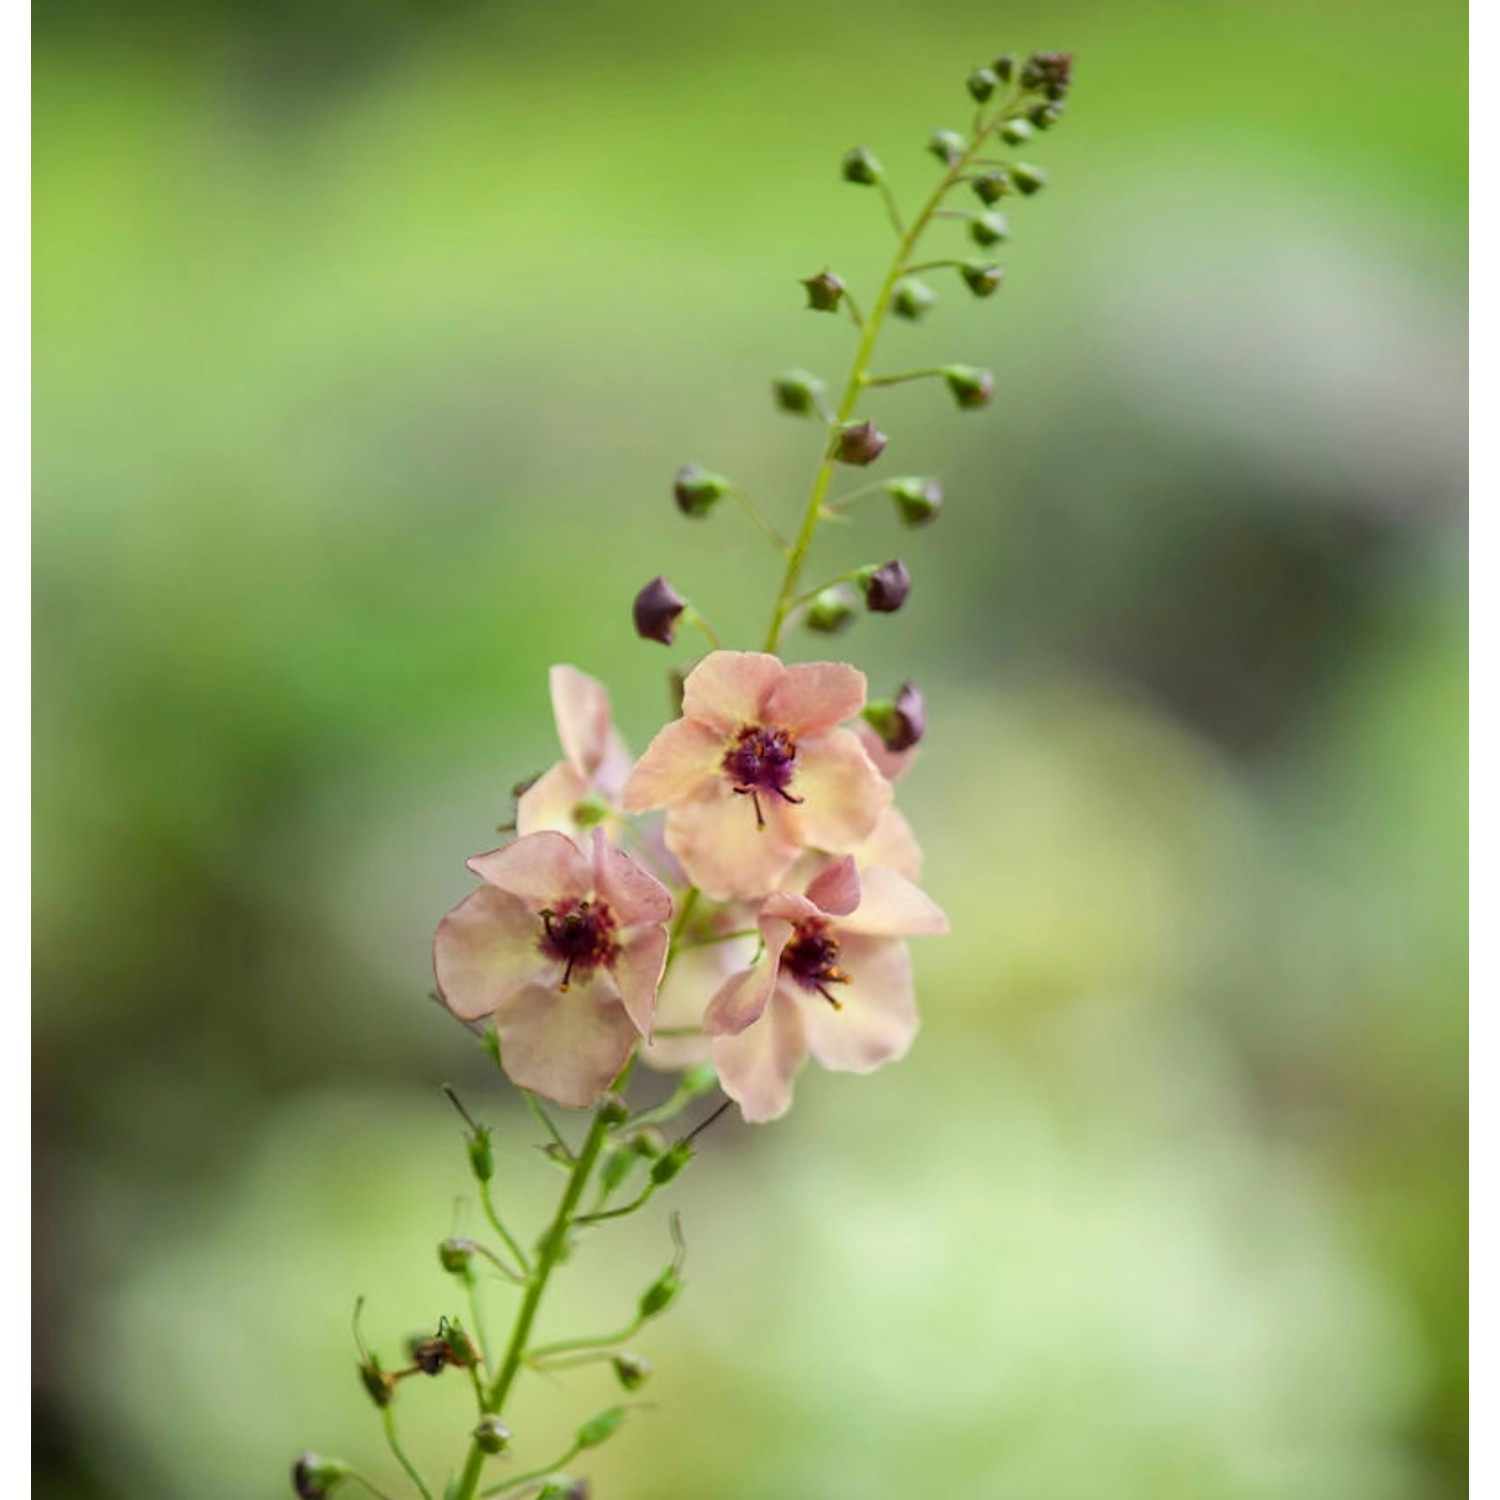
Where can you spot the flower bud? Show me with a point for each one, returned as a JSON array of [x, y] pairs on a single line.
[[1028, 179], [600, 1429], [917, 499], [1049, 72], [482, 1151], [591, 810], [981, 83], [1004, 67], [647, 1142], [455, 1256], [912, 299], [313, 1477], [824, 292], [798, 392], [859, 443], [885, 587], [1016, 131], [657, 609], [492, 1435], [1045, 116], [613, 1110], [982, 277], [632, 1370], [991, 187], [859, 165], [379, 1386], [614, 1168], [947, 145], [900, 722], [697, 490], [462, 1350], [988, 229], [671, 1162], [564, 1489], [971, 386], [829, 612], [661, 1294]]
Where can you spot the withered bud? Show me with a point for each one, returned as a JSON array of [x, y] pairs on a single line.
[[1049, 72], [697, 490], [824, 292], [991, 187], [900, 721], [380, 1387], [912, 299], [982, 277], [314, 1478], [829, 612], [971, 386], [981, 83], [1028, 179], [917, 498], [632, 1370], [885, 587], [430, 1353], [947, 145], [859, 443], [988, 229], [492, 1435], [859, 165], [798, 392], [657, 609]]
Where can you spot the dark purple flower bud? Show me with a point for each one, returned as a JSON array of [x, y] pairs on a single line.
[[859, 165], [824, 292], [313, 1478], [1049, 72], [900, 722], [657, 609], [947, 146], [981, 83], [859, 443], [697, 490], [982, 277], [829, 612], [971, 386], [912, 299], [798, 392], [1028, 179], [991, 187], [917, 499], [988, 229], [886, 587]]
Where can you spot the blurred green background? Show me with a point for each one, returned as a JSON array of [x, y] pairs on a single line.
[[368, 338]]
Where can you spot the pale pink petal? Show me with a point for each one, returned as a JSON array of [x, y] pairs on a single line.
[[542, 869], [892, 764], [788, 906], [891, 906], [742, 999], [614, 766], [843, 795], [634, 895], [834, 890], [565, 1047], [756, 1067], [695, 976], [815, 697], [877, 1015], [580, 708], [892, 843], [484, 949], [729, 689], [724, 852], [549, 802], [638, 970], [681, 758]]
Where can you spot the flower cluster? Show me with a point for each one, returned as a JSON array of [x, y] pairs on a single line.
[[779, 837]]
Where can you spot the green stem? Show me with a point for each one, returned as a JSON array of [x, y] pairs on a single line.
[[533, 1476], [574, 1346], [497, 1224], [388, 1418], [923, 374]]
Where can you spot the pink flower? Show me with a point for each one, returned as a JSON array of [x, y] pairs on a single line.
[[833, 979], [757, 769], [594, 765], [565, 950]]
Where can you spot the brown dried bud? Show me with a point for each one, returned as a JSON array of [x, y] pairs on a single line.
[[824, 292], [1049, 72], [859, 443]]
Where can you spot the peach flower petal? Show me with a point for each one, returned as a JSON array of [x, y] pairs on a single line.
[[580, 709], [892, 764], [633, 893], [638, 969], [843, 795], [715, 835], [542, 869], [816, 696], [729, 689], [550, 801], [483, 950], [743, 999], [877, 1015], [565, 1047], [893, 844], [891, 906], [756, 1067], [835, 888], [682, 756]]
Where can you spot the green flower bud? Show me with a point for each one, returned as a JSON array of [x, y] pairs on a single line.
[[1045, 116], [647, 1142], [900, 722], [563, 1488], [982, 277], [661, 1294], [1005, 67], [615, 1169], [314, 1478], [885, 587], [917, 499], [988, 229], [671, 1162], [632, 1370], [492, 1435], [859, 165], [697, 490], [798, 392], [1016, 131], [971, 386], [600, 1429], [912, 299], [455, 1256], [947, 145], [829, 612], [481, 1149], [1028, 179], [379, 1386], [462, 1350], [991, 187], [824, 292], [859, 443], [981, 83], [613, 1110]]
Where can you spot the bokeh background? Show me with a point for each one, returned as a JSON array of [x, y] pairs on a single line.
[[368, 338]]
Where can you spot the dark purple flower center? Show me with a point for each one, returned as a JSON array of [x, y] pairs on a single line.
[[580, 935], [811, 957], [761, 759]]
